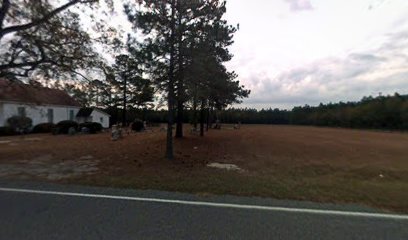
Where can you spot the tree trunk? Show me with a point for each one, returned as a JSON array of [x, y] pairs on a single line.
[[180, 83], [170, 95], [124, 120], [169, 142], [208, 119], [144, 114], [202, 118], [195, 113], [180, 116]]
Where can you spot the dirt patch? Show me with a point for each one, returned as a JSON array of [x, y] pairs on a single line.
[[44, 168], [224, 166], [33, 139]]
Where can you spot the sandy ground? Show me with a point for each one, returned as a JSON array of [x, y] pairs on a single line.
[[319, 164]]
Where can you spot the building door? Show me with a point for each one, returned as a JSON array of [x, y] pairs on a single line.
[[71, 115], [21, 111]]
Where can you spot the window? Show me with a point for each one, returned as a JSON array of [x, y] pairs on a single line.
[[71, 115], [21, 111], [50, 115], [101, 119]]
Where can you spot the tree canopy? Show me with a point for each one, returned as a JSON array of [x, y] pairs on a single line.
[[42, 38], [185, 45]]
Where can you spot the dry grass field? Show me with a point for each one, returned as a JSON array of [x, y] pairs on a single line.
[[285, 162]]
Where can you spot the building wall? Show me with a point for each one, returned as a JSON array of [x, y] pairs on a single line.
[[39, 114], [83, 119], [100, 117], [1, 115]]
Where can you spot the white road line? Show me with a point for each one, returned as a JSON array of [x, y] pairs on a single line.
[[213, 204]]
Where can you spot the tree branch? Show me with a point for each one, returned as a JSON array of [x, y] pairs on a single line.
[[20, 65], [42, 20], [80, 74], [3, 11]]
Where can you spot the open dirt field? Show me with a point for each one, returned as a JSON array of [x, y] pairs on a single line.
[[286, 162]]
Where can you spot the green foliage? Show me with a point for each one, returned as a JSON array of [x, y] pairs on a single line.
[[390, 112], [7, 131], [43, 128], [254, 116], [39, 37], [19, 123], [383, 112], [64, 126], [94, 127], [129, 82]]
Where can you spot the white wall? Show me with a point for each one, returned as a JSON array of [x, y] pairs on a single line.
[[39, 114], [1, 115], [100, 117]]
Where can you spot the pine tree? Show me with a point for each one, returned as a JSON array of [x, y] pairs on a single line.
[[174, 31]]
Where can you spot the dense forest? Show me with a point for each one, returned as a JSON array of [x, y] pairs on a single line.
[[382, 112]]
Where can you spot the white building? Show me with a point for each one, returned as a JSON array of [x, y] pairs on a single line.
[[92, 115], [43, 105]]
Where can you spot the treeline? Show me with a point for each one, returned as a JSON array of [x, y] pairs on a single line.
[[382, 112]]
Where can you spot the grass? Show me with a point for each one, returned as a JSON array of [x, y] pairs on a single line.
[[283, 162]]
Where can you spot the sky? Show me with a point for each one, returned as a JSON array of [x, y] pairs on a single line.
[[297, 52]]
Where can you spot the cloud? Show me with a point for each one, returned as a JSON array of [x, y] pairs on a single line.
[[333, 79], [376, 4], [299, 5]]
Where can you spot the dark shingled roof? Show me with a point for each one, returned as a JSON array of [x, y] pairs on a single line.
[[84, 112], [24, 93]]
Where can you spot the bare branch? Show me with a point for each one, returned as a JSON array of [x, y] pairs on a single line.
[[3, 11], [42, 20], [20, 65]]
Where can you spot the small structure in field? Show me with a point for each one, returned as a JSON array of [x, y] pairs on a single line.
[[194, 130], [237, 126], [217, 124], [116, 133]]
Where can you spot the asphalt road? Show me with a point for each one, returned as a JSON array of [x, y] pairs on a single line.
[[77, 212]]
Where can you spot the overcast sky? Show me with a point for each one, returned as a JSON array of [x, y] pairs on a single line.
[[296, 52]]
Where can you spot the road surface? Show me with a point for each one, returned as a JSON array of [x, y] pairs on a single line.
[[49, 211]]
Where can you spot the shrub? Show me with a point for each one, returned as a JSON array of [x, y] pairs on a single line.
[[93, 127], [20, 124], [7, 131], [43, 128], [64, 126], [153, 124], [137, 125]]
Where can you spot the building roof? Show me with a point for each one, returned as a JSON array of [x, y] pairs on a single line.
[[24, 93], [84, 112]]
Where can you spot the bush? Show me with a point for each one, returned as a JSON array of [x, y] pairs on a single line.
[[20, 124], [64, 126], [93, 127], [153, 124], [43, 128], [7, 131], [137, 125]]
